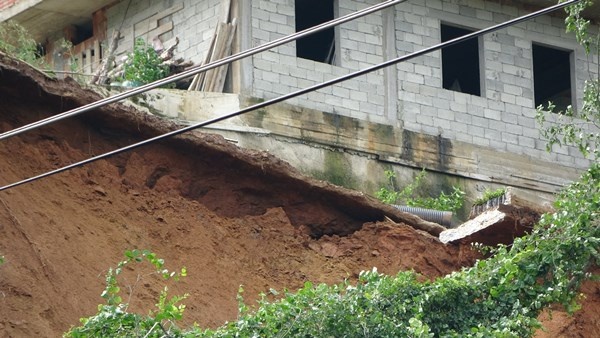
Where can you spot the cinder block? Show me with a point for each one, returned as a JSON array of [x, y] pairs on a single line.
[[507, 98], [481, 141], [447, 115], [463, 118]]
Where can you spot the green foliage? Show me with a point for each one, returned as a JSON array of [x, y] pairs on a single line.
[[408, 195], [575, 23], [2, 260], [144, 65], [489, 195], [18, 43], [113, 319]]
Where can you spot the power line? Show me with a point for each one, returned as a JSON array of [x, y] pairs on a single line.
[[199, 69], [297, 93]]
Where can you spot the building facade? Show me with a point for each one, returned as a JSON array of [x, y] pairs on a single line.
[[467, 110]]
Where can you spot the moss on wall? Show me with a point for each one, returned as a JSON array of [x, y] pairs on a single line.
[[337, 170]]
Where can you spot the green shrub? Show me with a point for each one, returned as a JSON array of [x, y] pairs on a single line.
[[113, 319], [16, 41], [144, 65]]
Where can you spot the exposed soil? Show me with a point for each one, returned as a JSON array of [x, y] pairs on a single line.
[[231, 216]]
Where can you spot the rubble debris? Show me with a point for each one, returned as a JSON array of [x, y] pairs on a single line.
[[506, 217]]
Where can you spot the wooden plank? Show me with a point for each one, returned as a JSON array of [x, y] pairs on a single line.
[[95, 58], [222, 71], [151, 23], [99, 24], [222, 54], [225, 10], [236, 67], [219, 46], [87, 62], [162, 29]]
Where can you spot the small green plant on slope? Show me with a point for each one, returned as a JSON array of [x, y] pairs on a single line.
[[18, 43], [447, 202], [144, 64], [489, 195], [113, 319]]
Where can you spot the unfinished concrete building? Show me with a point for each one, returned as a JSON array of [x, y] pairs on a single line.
[[465, 112]]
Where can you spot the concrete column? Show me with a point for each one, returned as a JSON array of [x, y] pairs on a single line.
[[390, 74], [243, 70]]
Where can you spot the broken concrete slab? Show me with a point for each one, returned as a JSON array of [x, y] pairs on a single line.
[[501, 221]]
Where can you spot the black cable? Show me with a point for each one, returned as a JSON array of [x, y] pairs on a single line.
[[199, 69], [297, 93]]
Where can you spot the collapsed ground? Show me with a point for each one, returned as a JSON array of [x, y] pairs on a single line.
[[232, 217]]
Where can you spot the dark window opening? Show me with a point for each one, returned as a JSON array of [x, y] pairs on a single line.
[[83, 32], [552, 77], [460, 62], [319, 46]]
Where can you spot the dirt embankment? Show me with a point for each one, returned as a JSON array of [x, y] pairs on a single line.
[[232, 217]]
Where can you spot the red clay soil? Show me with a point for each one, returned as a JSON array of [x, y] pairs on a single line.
[[231, 216]]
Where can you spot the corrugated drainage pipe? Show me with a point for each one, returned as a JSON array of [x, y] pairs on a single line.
[[443, 218]]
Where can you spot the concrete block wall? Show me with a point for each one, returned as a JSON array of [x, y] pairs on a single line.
[[194, 24], [411, 94], [503, 116], [280, 72]]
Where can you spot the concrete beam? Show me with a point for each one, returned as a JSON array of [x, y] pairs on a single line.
[[41, 17]]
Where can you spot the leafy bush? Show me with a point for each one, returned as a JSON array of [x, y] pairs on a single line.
[[144, 65], [16, 41], [408, 195], [113, 320]]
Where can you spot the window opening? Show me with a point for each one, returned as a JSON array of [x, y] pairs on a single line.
[[460, 62], [319, 46], [552, 76], [83, 31]]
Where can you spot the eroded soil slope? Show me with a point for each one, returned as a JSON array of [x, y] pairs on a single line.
[[232, 217]]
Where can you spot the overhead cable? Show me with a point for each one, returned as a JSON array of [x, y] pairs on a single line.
[[297, 93], [200, 69]]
